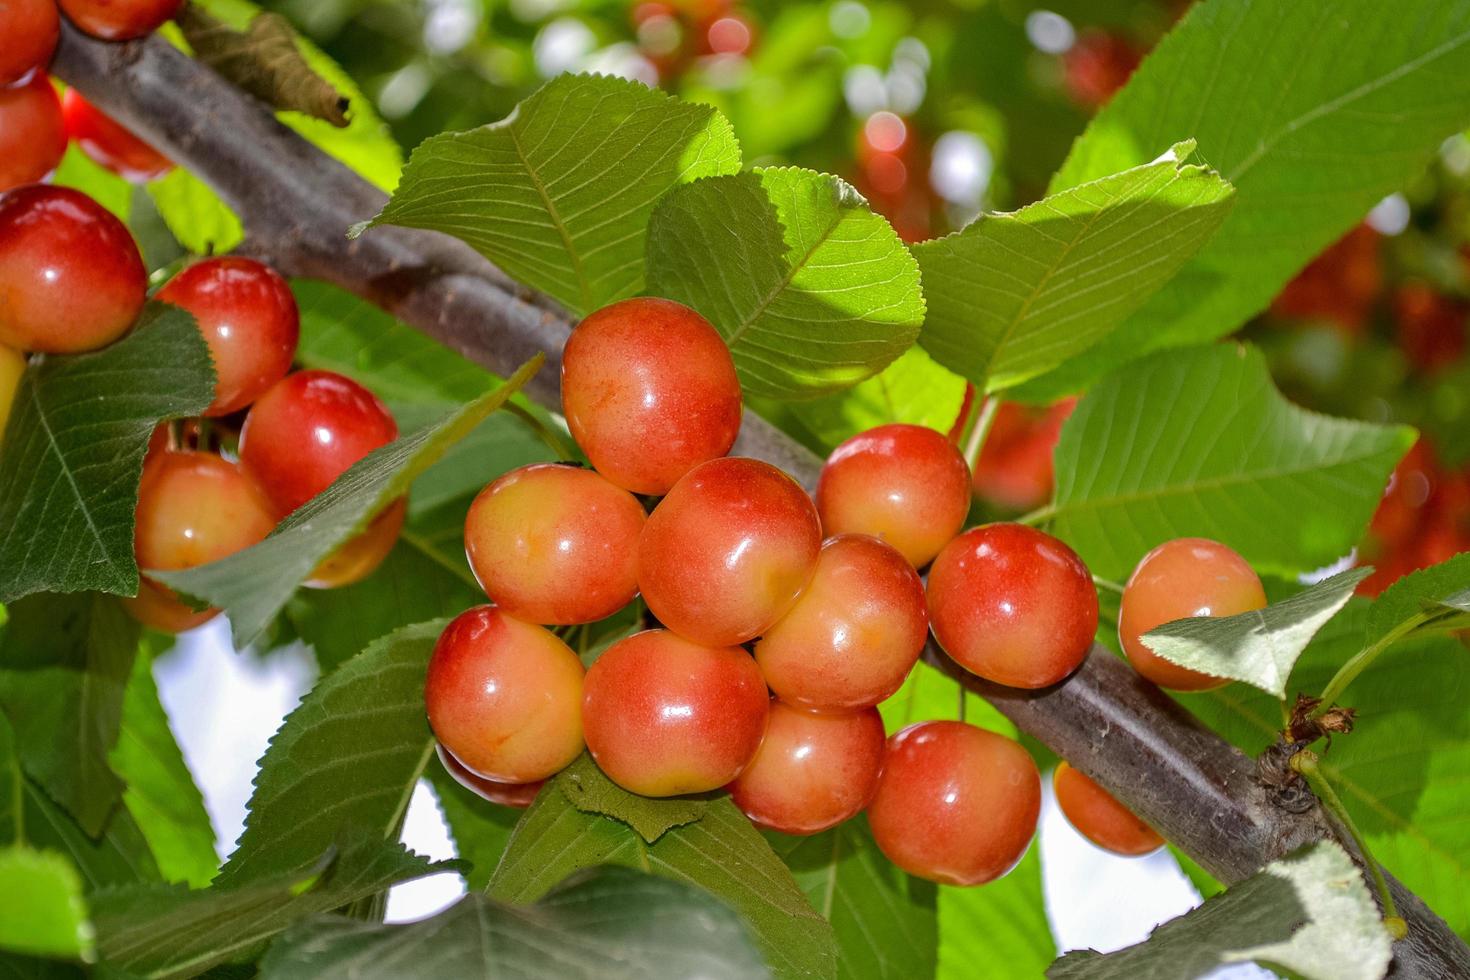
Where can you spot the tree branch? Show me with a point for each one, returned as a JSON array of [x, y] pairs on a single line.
[[296, 205]]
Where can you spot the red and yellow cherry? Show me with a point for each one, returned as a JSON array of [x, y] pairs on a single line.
[[649, 391], [30, 29], [32, 136], [555, 544], [249, 319], [119, 20], [1099, 817], [12, 366], [1013, 605], [71, 278], [814, 769], [905, 484], [109, 144], [193, 508], [855, 631], [505, 697], [518, 795], [955, 804], [725, 554], [1179, 579], [361, 554], [664, 716]]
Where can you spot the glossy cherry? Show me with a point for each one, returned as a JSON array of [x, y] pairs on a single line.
[[955, 804], [119, 20], [109, 144], [724, 555], [1099, 817], [1013, 605], [518, 795], [12, 366], [664, 716], [30, 29], [32, 137], [649, 391]]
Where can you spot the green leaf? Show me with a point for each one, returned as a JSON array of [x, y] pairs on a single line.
[[587, 789], [1200, 442], [480, 828], [253, 585], [194, 214], [1438, 589], [70, 464], [559, 192], [1314, 110], [811, 289], [1259, 647], [1309, 914], [91, 178], [999, 931], [1013, 295], [606, 923], [41, 908]]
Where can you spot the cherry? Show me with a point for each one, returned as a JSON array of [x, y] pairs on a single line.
[[555, 544], [855, 631], [518, 795], [906, 484], [1099, 817], [505, 697], [1013, 605], [32, 137], [360, 555], [649, 391], [109, 144], [193, 508], [119, 20], [1178, 579], [665, 716], [71, 278], [12, 366], [724, 555], [31, 29], [249, 319], [955, 804], [814, 769]]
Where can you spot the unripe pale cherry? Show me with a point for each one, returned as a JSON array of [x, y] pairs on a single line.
[[1179, 579], [518, 795], [814, 769], [955, 804], [30, 29], [855, 631], [360, 555], [1099, 817], [1013, 605], [649, 391], [119, 20], [32, 136], [905, 484], [725, 554], [505, 697], [71, 278], [108, 144], [664, 716], [555, 544], [12, 366]]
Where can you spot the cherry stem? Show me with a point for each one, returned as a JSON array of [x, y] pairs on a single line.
[[559, 446], [1107, 583], [1038, 516], [963, 694], [1365, 657], [981, 430]]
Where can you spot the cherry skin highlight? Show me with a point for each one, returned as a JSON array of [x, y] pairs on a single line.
[[1179, 579], [505, 697], [360, 555], [855, 631], [814, 769], [1013, 605], [108, 144], [649, 392], [665, 716], [724, 555], [119, 20], [1099, 817], [12, 366], [31, 29], [955, 804], [518, 795], [71, 279], [555, 544], [905, 484], [32, 136]]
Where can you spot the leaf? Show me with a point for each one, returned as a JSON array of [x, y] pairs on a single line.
[[480, 828], [1200, 442], [70, 464], [1438, 589], [1309, 914], [587, 789], [559, 192], [253, 585], [1013, 295], [1315, 111], [606, 923], [999, 931], [811, 289], [194, 214], [41, 908], [1259, 647]]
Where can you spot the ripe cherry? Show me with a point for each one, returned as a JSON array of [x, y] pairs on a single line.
[[518, 795], [1013, 605], [813, 770], [1099, 817], [32, 137], [71, 278], [109, 144], [955, 804], [649, 391], [31, 29], [724, 555], [249, 319], [665, 716], [505, 697], [119, 20], [360, 555], [906, 484], [855, 631], [555, 544], [1178, 579], [12, 366]]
